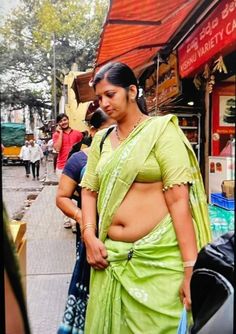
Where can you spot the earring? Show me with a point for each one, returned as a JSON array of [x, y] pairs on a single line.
[[132, 99]]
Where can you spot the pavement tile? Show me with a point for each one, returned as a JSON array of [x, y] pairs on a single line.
[[46, 297], [50, 257], [50, 261]]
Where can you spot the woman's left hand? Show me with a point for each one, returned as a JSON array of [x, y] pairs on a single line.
[[184, 290]]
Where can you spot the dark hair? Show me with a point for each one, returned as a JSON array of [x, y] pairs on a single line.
[[60, 116], [119, 74], [98, 118]]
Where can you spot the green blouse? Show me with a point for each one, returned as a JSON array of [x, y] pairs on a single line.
[[168, 161]]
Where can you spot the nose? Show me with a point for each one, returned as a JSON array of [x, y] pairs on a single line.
[[104, 102]]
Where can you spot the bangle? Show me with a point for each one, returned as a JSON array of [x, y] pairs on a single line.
[[187, 264], [76, 213], [86, 226]]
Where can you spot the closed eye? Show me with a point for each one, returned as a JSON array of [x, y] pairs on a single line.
[[110, 94], [107, 94]]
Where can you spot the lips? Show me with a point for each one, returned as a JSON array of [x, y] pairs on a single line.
[[109, 111]]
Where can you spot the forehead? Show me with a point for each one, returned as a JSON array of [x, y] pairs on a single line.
[[105, 86], [63, 119]]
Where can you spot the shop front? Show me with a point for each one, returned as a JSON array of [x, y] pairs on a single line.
[[208, 57]]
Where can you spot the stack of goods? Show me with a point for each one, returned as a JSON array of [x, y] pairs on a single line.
[[225, 199], [222, 211]]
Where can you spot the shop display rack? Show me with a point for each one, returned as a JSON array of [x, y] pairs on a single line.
[[190, 125]]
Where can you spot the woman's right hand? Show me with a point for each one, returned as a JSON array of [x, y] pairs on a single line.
[[96, 251]]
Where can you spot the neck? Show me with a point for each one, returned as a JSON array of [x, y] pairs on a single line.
[[67, 129], [124, 128]]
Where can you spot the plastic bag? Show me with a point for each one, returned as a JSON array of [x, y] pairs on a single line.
[[183, 324]]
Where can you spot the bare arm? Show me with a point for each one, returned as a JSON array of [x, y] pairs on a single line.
[[177, 200], [64, 202], [57, 145], [96, 251]]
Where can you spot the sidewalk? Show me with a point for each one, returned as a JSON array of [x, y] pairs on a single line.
[[50, 259]]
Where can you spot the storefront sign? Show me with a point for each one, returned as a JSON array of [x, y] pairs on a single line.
[[215, 34], [168, 82]]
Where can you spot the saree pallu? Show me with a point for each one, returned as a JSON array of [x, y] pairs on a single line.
[[139, 291]]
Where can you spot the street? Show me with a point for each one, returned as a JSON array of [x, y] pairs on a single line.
[[50, 249], [16, 189]]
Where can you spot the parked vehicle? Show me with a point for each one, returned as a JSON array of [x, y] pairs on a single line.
[[13, 138]]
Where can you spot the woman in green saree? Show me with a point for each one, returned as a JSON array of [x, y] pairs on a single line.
[[146, 186]]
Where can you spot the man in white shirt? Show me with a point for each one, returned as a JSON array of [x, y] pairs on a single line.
[[36, 154], [25, 156]]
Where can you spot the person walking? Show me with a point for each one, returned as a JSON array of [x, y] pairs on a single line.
[[25, 156], [146, 188], [63, 139], [36, 154]]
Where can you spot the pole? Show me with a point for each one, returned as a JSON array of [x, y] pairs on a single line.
[[157, 84], [54, 78]]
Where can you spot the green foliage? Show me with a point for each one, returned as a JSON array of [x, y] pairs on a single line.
[[28, 36]]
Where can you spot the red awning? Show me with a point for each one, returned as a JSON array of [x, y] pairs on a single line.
[[135, 30], [133, 33]]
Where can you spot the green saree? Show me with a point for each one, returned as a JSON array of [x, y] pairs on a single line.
[[138, 292]]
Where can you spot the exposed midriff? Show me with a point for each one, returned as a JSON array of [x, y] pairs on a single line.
[[141, 210]]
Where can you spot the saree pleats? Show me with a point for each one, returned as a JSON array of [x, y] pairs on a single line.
[[131, 292]]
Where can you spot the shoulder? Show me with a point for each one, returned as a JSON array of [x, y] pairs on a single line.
[[74, 165], [165, 119], [77, 132], [164, 122], [99, 135], [77, 156]]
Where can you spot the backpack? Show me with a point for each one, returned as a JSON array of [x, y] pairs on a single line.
[[212, 287], [218, 256]]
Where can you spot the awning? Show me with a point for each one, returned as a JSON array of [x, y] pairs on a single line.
[[135, 30]]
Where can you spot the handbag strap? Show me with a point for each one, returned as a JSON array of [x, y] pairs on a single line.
[[109, 130]]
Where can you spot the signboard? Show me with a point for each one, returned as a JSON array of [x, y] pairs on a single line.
[[223, 118], [217, 33], [168, 80]]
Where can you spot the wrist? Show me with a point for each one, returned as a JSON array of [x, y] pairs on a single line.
[[88, 229], [188, 273], [88, 235], [189, 264]]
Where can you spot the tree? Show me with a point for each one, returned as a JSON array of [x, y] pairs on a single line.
[[26, 46]]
